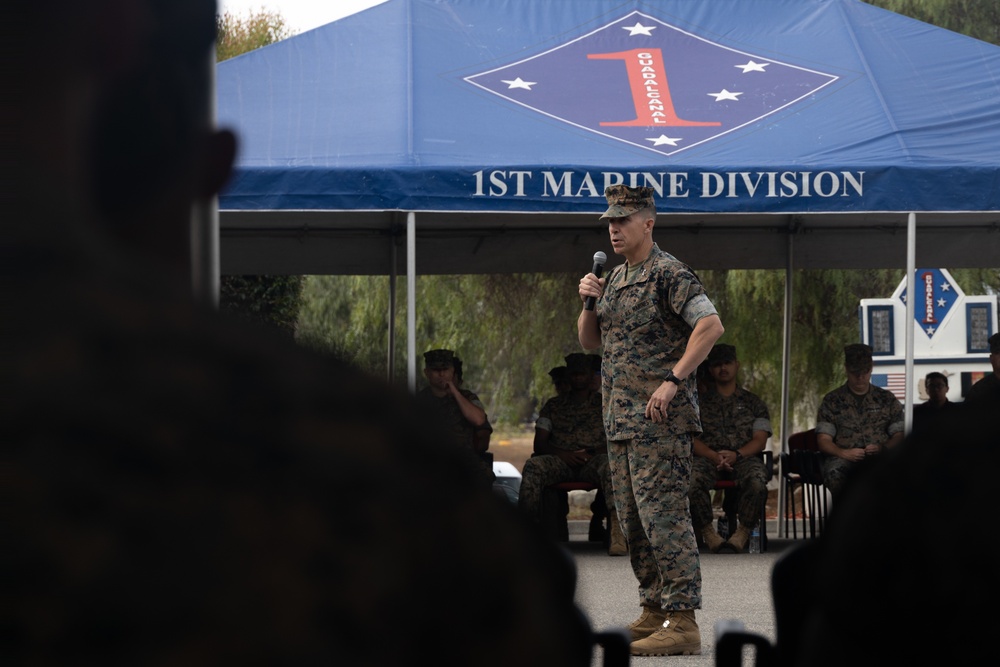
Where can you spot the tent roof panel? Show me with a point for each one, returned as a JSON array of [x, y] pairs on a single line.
[[506, 107]]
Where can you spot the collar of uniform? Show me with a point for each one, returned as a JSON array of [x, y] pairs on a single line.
[[640, 272]]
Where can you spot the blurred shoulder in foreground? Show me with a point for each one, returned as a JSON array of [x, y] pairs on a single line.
[[907, 564]]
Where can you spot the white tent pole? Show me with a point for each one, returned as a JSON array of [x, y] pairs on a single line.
[[785, 373], [391, 352], [411, 299], [204, 225], [911, 279]]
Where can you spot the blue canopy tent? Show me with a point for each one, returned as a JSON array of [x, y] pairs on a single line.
[[499, 122], [478, 135]]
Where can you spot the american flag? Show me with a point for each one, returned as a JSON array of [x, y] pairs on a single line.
[[894, 382]]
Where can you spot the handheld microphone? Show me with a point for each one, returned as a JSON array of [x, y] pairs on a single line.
[[599, 259]]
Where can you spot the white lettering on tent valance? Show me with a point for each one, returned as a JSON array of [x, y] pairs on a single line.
[[672, 185]]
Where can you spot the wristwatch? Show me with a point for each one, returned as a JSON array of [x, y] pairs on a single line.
[[739, 454], [672, 378]]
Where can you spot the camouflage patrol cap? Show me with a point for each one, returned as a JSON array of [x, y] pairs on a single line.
[[721, 353], [995, 343], [857, 357], [578, 362], [558, 373], [623, 201], [440, 359]]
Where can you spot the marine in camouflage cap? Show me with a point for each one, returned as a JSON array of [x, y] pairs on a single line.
[[440, 359], [558, 373], [623, 201], [857, 357], [578, 363], [721, 353], [560, 379], [995, 343]]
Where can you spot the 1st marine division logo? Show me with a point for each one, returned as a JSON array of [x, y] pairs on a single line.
[[650, 84]]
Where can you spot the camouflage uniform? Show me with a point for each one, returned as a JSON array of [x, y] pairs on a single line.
[[855, 421], [646, 314], [449, 417], [574, 425], [729, 422]]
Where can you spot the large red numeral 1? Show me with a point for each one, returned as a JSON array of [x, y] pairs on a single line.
[[650, 91]]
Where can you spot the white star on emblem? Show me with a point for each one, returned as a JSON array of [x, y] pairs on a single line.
[[942, 303], [945, 287], [930, 330], [725, 95], [751, 66], [639, 29], [518, 83], [663, 139]]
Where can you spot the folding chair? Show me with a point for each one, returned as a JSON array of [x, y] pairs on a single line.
[[802, 468]]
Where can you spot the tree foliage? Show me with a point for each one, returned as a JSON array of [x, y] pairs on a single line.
[[975, 18], [238, 34], [263, 300], [509, 330], [824, 318]]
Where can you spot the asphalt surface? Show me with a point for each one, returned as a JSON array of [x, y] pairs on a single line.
[[735, 587]]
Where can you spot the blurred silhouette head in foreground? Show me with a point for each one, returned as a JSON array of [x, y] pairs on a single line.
[[904, 569], [185, 490]]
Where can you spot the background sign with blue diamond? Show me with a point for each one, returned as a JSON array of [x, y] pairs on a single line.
[[937, 293], [645, 82], [951, 332]]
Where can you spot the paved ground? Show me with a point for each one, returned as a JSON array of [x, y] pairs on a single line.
[[734, 587]]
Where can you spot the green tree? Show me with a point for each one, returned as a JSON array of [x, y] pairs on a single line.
[[824, 318], [508, 341], [975, 18], [511, 329], [238, 34], [268, 300], [272, 301]]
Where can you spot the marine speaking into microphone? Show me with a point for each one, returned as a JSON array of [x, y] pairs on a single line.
[[599, 259]]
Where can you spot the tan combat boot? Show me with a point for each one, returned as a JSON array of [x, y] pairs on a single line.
[[678, 636], [616, 539], [711, 538], [648, 622], [738, 541]]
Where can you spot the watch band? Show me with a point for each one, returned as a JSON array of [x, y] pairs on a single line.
[[672, 378]]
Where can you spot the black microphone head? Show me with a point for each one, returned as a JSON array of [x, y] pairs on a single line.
[[600, 257]]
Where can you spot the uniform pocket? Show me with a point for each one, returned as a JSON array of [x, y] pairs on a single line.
[[642, 320]]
